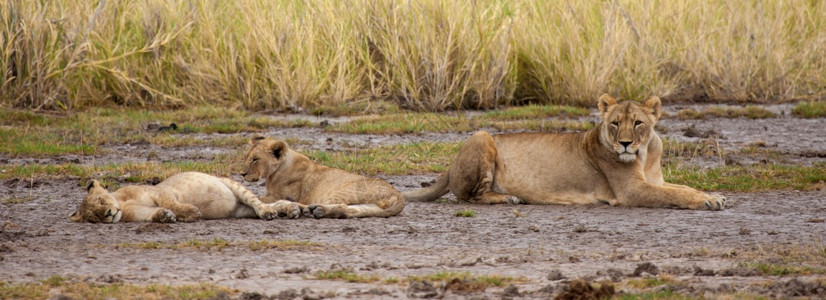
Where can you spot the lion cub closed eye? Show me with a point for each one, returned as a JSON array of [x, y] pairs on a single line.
[[185, 197]]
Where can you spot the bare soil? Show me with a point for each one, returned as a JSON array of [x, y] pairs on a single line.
[[541, 248]]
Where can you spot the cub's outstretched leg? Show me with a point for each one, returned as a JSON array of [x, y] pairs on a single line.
[[394, 205]]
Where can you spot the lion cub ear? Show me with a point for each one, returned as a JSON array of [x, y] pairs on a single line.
[[655, 105], [279, 148], [75, 217], [605, 101], [257, 138], [92, 184]]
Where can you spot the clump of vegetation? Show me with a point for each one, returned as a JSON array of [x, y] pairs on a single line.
[[346, 276], [78, 289], [465, 281], [811, 109], [467, 213], [750, 111]]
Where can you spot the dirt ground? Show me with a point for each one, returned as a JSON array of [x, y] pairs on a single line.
[[541, 248]]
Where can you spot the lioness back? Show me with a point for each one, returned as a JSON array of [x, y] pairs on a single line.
[[539, 162]]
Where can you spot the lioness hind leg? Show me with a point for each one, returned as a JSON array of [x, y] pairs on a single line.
[[491, 197], [334, 211], [471, 174]]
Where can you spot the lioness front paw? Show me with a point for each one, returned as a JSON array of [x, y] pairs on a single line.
[[164, 215], [711, 202]]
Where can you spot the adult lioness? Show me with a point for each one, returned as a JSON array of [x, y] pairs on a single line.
[[183, 197], [323, 192], [618, 162]]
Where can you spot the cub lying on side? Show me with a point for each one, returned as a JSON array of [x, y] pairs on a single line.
[[320, 191], [186, 197], [618, 163]]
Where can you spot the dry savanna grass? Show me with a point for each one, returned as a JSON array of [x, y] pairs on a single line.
[[425, 55]]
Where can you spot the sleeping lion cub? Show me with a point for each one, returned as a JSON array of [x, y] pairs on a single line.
[[185, 197], [617, 163]]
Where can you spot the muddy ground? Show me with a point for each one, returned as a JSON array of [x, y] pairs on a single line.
[[540, 248]]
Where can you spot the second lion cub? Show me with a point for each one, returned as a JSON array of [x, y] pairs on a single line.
[[321, 191]]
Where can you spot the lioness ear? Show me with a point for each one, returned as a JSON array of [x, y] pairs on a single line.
[[255, 139], [278, 149], [604, 102], [75, 217], [655, 105]]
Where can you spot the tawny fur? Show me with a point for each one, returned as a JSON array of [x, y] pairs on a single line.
[[186, 197], [318, 190], [617, 162]]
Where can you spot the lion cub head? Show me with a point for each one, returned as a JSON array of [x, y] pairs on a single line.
[[265, 157], [97, 207], [627, 126]]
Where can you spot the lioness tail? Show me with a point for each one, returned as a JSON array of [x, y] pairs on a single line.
[[431, 193]]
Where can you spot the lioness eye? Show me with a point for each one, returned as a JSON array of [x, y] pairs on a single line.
[[637, 123], [254, 160], [615, 124]]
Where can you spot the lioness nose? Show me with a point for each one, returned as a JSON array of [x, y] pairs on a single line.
[[625, 144], [243, 173]]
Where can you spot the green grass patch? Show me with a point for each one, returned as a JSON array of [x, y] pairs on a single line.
[[35, 135], [782, 269], [810, 109], [782, 260], [533, 111], [749, 111], [78, 289], [404, 123], [220, 244], [659, 295], [531, 117], [134, 172], [399, 159], [467, 213], [17, 199], [345, 276], [281, 245], [754, 178], [474, 282]]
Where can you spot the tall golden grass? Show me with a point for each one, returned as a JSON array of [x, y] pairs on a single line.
[[423, 54]]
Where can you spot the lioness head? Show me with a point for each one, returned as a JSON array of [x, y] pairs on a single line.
[[265, 157], [627, 126], [97, 207]]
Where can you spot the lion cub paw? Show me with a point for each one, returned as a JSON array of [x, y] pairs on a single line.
[[268, 212], [515, 200], [331, 211], [189, 213], [164, 215]]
